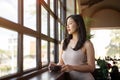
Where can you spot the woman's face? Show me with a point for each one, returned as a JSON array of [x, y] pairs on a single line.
[[71, 26]]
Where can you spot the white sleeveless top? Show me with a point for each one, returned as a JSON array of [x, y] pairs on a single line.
[[72, 57]]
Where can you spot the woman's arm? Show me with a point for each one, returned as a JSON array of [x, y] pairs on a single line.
[[60, 58], [60, 63], [60, 54]]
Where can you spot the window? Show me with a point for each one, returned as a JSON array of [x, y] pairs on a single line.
[[27, 33], [107, 44]]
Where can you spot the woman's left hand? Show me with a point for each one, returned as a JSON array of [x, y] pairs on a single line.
[[66, 68]]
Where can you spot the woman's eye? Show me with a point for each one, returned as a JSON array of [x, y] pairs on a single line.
[[69, 23]]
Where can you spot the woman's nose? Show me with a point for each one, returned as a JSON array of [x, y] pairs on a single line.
[[67, 26]]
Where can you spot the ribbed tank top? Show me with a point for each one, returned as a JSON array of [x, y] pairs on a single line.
[[78, 58]]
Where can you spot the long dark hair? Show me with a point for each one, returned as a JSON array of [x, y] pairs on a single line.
[[81, 32]]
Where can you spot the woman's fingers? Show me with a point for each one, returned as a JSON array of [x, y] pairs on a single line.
[[53, 67], [66, 68], [50, 65]]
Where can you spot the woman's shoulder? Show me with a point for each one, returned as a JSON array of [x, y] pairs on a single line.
[[88, 43]]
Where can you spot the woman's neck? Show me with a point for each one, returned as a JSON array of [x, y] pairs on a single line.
[[75, 37]]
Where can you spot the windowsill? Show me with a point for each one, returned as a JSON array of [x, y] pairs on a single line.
[[48, 76], [41, 75]]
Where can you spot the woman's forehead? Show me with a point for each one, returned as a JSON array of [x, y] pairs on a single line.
[[70, 19]]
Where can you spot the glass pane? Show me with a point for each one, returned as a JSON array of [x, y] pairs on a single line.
[[59, 9], [51, 52], [29, 47], [100, 41], [8, 52], [107, 44], [44, 21], [51, 26], [59, 46], [44, 52], [8, 9], [30, 14], [52, 5], [59, 32]]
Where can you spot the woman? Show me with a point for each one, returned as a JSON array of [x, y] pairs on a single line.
[[77, 53]]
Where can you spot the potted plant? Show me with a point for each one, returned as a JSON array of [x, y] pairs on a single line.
[[103, 70]]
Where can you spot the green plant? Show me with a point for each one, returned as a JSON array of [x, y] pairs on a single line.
[[89, 36], [88, 21], [103, 68]]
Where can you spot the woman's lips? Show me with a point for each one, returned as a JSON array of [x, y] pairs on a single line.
[[68, 30]]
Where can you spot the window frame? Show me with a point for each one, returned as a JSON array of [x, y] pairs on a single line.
[[22, 30]]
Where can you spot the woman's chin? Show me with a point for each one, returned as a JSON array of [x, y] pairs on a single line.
[[69, 33]]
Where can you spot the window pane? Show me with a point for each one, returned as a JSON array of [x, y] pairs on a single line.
[[29, 48], [59, 32], [44, 21], [51, 52], [52, 5], [51, 26], [8, 9], [110, 42], [8, 52], [59, 9], [103, 38], [30, 14], [44, 52], [107, 44]]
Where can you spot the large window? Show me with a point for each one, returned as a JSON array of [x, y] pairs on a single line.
[[29, 34], [107, 44]]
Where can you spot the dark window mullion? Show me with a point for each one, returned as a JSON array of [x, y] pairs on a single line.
[[63, 15], [75, 6], [38, 40], [20, 37], [48, 25], [56, 31]]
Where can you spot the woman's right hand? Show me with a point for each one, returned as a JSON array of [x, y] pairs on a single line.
[[51, 64]]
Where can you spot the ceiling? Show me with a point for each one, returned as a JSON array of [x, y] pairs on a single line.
[[100, 4], [96, 8]]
